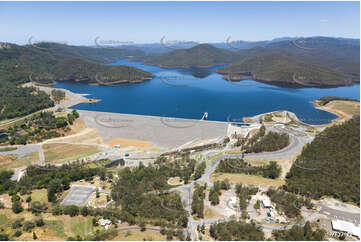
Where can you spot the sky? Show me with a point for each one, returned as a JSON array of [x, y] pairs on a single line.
[[80, 23]]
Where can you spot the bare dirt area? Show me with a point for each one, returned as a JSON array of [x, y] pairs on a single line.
[[174, 181], [129, 142], [85, 136], [247, 179], [91, 100]]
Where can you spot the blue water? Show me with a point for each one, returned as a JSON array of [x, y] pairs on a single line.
[[191, 92]]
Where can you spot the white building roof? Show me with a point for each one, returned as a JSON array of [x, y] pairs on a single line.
[[104, 222], [347, 227], [266, 203]]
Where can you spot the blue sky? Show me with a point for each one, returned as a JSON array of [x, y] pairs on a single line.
[[144, 22]]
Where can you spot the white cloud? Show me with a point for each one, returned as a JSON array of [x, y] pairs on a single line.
[[323, 20]]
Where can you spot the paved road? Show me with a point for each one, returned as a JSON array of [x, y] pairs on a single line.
[[137, 228]]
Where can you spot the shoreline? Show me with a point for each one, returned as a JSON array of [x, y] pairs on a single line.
[[341, 115]]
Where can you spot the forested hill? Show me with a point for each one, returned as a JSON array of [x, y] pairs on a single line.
[[19, 63], [276, 68], [203, 55], [89, 71], [330, 165]]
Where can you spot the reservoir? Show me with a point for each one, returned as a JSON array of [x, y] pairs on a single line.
[[188, 93]]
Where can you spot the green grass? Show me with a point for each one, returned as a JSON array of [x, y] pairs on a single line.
[[83, 228], [3, 219], [8, 149], [39, 195], [58, 226]]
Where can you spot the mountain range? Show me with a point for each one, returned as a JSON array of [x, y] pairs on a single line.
[[308, 62]]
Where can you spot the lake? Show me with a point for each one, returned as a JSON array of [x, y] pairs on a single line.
[[188, 93]]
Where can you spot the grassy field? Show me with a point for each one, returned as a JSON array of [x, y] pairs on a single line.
[[40, 195], [248, 179], [285, 163], [343, 109], [8, 149], [55, 228], [348, 107], [63, 152], [137, 235]]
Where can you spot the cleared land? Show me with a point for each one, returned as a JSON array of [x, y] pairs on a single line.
[[247, 179], [55, 153]]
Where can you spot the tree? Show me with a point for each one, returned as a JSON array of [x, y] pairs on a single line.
[[61, 122], [84, 211], [28, 226], [4, 237], [18, 233], [16, 207], [39, 222], [34, 236], [71, 210]]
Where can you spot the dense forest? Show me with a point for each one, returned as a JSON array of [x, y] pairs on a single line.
[[235, 165], [89, 71], [5, 182], [184, 167], [141, 192], [39, 127], [330, 165], [288, 203], [18, 63], [234, 230], [275, 67], [198, 200], [299, 233], [19, 101], [272, 141]]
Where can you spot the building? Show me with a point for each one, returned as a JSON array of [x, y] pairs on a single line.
[[266, 203], [347, 227], [104, 222]]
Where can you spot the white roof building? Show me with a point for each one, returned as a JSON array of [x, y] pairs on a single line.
[[104, 222], [346, 227], [266, 203]]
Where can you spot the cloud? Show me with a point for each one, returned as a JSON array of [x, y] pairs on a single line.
[[323, 20]]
